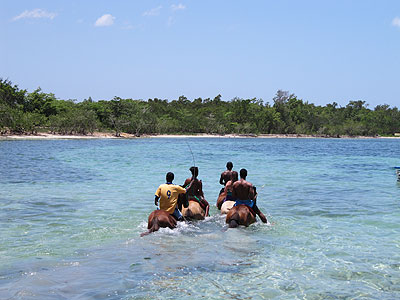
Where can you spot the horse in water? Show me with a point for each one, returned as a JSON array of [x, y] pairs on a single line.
[[240, 215], [227, 206], [159, 219], [162, 219], [221, 198], [194, 211], [223, 204]]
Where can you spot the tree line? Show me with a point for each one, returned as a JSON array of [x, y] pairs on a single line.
[[28, 113]]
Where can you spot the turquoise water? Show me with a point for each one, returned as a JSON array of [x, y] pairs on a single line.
[[71, 212]]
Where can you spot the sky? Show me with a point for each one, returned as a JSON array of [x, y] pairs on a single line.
[[322, 51]]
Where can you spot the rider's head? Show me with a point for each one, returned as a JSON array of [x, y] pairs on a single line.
[[195, 171], [229, 165], [235, 176], [170, 177], [243, 173]]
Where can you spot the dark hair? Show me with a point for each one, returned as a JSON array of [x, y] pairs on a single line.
[[243, 173], [229, 165], [235, 176], [194, 170], [170, 177]]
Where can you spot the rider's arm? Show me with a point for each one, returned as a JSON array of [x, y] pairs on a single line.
[[251, 192], [189, 186], [187, 181], [221, 179], [255, 194], [228, 186], [201, 188], [157, 195]]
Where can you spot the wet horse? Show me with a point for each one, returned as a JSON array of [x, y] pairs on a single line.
[[240, 215], [224, 205], [227, 206], [159, 219], [221, 198], [194, 211], [162, 219]]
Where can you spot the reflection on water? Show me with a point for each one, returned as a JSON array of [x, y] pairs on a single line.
[[71, 213]]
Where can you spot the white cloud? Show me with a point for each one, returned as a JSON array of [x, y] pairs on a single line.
[[180, 6], [105, 20], [152, 12], [396, 22], [36, 13]]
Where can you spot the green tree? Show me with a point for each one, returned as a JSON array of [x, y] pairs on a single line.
[[39, 102], [11, 95]]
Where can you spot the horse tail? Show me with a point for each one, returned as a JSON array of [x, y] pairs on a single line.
[[145, 233], [189, 213], [154, 227], [234, 220], [233, 223]]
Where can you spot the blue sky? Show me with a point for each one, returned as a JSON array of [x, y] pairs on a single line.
[[322, 51]]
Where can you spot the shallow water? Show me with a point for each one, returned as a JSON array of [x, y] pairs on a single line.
[[71, 212]]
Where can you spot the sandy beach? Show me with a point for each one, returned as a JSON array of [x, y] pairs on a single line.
[[105, 135]]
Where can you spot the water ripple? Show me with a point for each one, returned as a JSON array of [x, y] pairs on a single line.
[[71, 213]]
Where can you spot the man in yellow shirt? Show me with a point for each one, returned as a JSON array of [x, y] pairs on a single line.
[[168, 194]]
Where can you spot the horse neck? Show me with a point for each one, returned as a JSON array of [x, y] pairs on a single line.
[[183, 200]]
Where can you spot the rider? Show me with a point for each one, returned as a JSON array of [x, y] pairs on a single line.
[[244, 193], [226, 175], [196, 192], [168, 194], [229, 186], [228, 190]]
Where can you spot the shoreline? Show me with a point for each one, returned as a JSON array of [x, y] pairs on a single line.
[[104, 135]]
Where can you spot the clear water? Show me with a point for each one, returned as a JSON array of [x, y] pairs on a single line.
[[71, 213]]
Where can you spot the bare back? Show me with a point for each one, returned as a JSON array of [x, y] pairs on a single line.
[[196, 189], [225, 177], [243, 190]]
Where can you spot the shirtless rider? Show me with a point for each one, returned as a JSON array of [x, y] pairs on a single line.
[[228, 190], [229, 186], [196, 191], [226, 175], [244, 193]]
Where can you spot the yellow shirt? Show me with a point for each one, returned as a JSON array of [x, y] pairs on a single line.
[[168, 194]]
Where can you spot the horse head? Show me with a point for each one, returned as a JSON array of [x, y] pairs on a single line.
[[183, 200]]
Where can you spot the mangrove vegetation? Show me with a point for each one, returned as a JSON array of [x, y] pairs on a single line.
[[22, 112]]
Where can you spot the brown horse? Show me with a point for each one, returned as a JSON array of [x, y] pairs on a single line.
[[224, 205], [240, 215], [161, 219], [220, 199], [194, 211]]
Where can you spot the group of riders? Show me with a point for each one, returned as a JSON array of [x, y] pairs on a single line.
[[238, 199]]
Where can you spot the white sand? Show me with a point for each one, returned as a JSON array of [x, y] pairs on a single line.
[[103, 135]]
